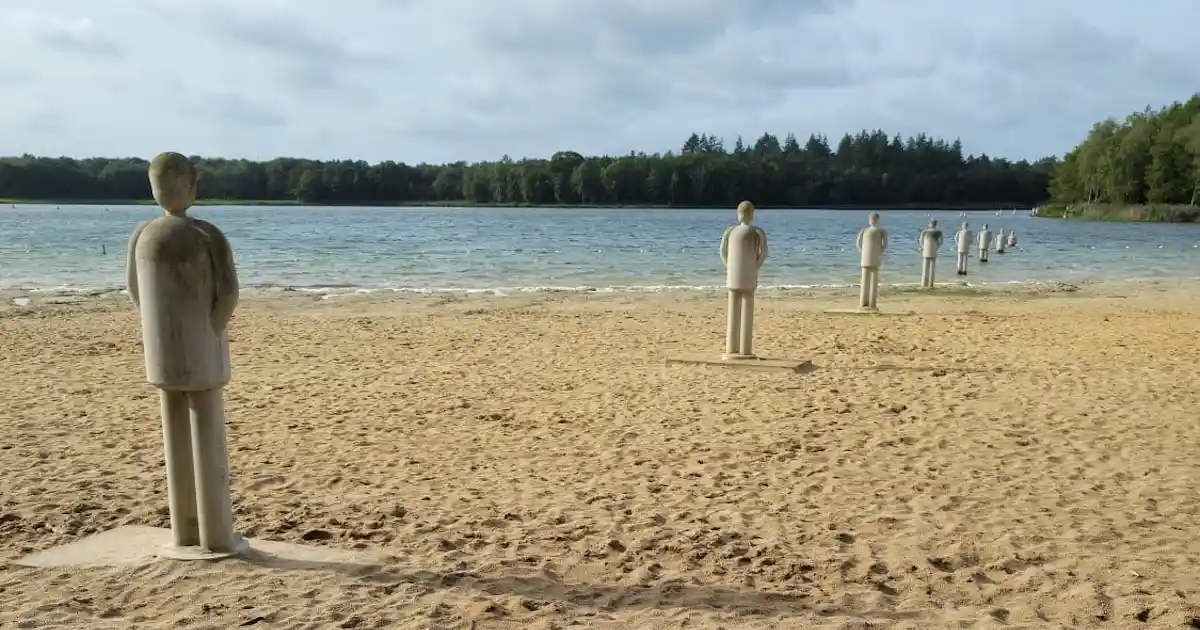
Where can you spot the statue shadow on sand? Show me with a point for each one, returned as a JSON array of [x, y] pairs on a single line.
[[545, 587]]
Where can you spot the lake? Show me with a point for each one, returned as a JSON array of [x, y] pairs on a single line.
[[503, 250]]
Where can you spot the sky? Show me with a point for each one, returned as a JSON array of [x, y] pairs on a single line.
[[446, 80]]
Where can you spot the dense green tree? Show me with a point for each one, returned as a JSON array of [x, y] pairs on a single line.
[[868, 168], [1151, 157]]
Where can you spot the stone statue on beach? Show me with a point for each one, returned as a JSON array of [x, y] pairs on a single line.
[[872, 242], [963, 241], [985, 243], [743, 252], [1011, 241], [931, 242], [1001, 241], [183, 282]]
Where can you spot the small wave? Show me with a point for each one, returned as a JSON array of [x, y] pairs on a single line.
[[66, 290], [339, 289]]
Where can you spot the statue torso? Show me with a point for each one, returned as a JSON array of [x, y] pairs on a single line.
[[963, 240], [745, 246], [176, 261], [930, 242], [872, 246]]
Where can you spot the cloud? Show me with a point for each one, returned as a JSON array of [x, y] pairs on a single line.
[[229, 108], [441, 80], [75, 35]]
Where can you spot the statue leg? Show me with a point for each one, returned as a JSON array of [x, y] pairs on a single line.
[[983, 252], [932, 271], [746, 343], [734, 323], [181, 484], [864, 292], [214, 505], [874, 288], [962, 263]]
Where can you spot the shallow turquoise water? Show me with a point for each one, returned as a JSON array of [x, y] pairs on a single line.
[[431, 249]]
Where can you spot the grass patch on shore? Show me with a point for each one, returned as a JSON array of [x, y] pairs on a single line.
[[1143, 213]]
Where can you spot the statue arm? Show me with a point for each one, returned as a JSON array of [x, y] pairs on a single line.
[[858, 241], [131, 275], [762, 252], [883, 241], [225, 280], [725, 247]]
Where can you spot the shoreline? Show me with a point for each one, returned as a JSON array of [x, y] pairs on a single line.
[[958, 290], [981, 207], [1120, 213]]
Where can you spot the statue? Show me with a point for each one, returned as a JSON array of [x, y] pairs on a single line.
[[743, 251], [931, 242], [1001, 240], [872, 242], [963, 240], [184, 285], [985, 242], [1012, 238]]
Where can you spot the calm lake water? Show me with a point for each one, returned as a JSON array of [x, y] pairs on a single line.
[[505, 250]]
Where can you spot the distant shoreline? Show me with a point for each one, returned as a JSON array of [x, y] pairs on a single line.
[[1132, 213], [468, 204]]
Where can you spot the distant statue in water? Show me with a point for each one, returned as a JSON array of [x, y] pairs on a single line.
[[963, 241], [743, 252], [183, 282], [1011, 241], [931, 242], [872, 242], [985, 243]]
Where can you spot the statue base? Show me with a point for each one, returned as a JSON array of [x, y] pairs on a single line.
[[240, 546], [865, 311], [743, 361], [139, 545]]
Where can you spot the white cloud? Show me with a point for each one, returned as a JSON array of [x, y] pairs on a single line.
[[437, 80]]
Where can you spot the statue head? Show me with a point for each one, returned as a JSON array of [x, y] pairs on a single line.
[[173, 182], [873, 219], [964, 225], [932, 223], [985, 226], [745, 212]]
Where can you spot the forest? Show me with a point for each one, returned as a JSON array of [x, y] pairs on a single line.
[[871, 168], [1145, 167]]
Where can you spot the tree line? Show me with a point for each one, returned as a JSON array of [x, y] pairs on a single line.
[[1151, 159], [867, 169]]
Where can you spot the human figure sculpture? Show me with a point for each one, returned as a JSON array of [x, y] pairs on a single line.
[[931, 242], [1001, 240], [985, 243], [872, 242], [963, 241], [1011, 241], [183, 282], [743, 252]]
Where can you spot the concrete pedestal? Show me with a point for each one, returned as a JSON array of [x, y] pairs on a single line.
[[136, 545], [865, 311], [754, 363]]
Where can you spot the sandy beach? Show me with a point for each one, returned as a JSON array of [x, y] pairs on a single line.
[[997, 460]]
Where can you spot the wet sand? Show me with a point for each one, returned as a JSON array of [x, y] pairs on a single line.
[[530, 462]]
